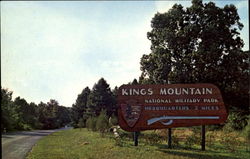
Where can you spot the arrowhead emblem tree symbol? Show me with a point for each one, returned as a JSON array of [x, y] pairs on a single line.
[[131, 112]]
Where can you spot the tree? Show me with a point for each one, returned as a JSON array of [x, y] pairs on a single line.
[[10, 114], [199, 44], [52, 115], [81, 123], [63, 116], [20, 115], [28, 118], [33, 120], [101, 98], [42, 114], [79, 108], [102, 123], [114, 99], [134, 82]]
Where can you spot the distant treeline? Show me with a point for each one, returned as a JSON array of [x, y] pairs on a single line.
[[17, 114]]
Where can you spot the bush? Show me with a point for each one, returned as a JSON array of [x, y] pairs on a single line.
[[191, 140], [124, 134], [113, 121], [230, 141], [26, 127], [102, 123], [91, 123], [81, 123], [235, 121], [214, 127], [210, 138], [246, 133], [153, 138], [175, 141]]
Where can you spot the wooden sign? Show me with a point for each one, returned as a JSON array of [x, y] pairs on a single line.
[[145, 107]]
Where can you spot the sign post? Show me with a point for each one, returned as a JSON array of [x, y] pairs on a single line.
[[136, 138], [169, 138], [203, 137], [147, 107]]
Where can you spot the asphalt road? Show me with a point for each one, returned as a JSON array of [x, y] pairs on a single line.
[[17, 145]]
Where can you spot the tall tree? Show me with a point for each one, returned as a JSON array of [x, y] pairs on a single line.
[[199, 44], [101, 98], [51, 115], [114, 96], [10, 114], [42, 114], [28, 116], [79, 108]]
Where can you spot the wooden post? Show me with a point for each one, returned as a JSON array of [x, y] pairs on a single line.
[[203, 138], [169, 138], [136, 138]]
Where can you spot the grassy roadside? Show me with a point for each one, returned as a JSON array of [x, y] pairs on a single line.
[[84, 144]]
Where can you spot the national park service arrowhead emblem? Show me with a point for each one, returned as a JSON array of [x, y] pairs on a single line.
[[131, 112]]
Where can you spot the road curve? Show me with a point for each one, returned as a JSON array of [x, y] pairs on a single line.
[[17, 145]]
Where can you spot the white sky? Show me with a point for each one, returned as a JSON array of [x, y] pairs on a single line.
[[52, 50]]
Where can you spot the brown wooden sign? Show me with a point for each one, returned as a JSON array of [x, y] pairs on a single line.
[[145, 107]]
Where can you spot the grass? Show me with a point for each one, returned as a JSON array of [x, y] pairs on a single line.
[[84, 144]]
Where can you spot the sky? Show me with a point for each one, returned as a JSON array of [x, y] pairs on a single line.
[[54, 49]]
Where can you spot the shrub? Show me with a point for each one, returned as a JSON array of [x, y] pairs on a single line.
[[91, 123], [196, 129], [191, 140], [246, 133], [230, 140], [88, 124], [235, 121], [175, 141], [153, 138], [81, 123], [113, 121], [210, 138], [26, 127], [102, 123], [214, 127], [124, 134]]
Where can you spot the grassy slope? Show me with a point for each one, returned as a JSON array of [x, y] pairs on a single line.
[[76, 144]]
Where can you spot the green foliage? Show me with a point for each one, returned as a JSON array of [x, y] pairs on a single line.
[[192, 140], [113, 121], [10, 112], [102, 123], [153, 138], [91, 123], [119, 141], [199, 44], [26, 126], [81, 123], [230, 142], [125, 135], [246, 133], [79, 109], [101, 98], [210, 138], [52, 115], [90, 103], [175, 141], [214, 127], [20, 115], [235, 121]]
